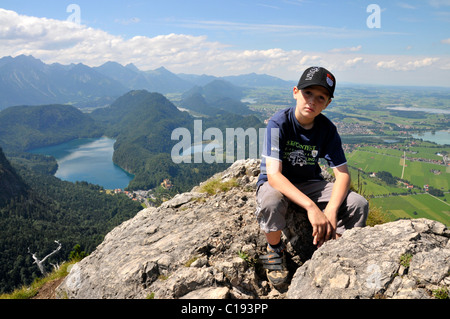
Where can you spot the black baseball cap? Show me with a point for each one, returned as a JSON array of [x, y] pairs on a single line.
[[317, 76]]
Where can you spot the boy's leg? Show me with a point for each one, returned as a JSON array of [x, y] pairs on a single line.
[[271, 212], [353, 213], [271, 209]]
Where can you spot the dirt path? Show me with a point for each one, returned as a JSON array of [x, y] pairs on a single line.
[[48, 290]]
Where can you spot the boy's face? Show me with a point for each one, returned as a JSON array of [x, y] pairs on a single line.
[[311, 101]]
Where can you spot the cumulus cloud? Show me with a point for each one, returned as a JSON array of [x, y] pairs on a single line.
[[354, 61], [406, 66], [65, 42], [31, 32]]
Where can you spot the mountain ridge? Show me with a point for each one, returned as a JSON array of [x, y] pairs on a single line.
[[25, 80]]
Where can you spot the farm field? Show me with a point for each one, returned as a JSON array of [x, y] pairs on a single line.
[[397, 200], [370, 162], [370, 187], [414, 206], [417, 173]]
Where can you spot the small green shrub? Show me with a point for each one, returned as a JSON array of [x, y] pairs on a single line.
[[405, 259], [215, 185], [441, 293]]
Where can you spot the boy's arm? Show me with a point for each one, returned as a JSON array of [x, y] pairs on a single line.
[[340, 190], [322, 228]]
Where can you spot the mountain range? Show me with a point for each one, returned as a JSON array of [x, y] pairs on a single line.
[[25, 80]]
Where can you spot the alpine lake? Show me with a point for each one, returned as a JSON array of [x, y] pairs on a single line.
[[88, 159]]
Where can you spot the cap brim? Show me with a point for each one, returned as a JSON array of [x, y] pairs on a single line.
[[306, 85]]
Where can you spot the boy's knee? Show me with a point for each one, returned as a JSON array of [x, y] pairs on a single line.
[[274, 204], [272, 207], [364, 206], [358, 201], [271, 200], [361, 208]]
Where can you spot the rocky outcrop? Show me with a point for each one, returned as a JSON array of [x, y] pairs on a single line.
[[206, 245], [403, 259], [194, 245]]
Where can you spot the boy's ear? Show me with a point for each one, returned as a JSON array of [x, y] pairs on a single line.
[[295, 91]]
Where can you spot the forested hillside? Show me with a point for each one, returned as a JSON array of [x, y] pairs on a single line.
[[11, 184], [37, 209], [143, 122], [26, 127]]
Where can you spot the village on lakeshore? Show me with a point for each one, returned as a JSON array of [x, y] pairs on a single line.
[[148, 198]]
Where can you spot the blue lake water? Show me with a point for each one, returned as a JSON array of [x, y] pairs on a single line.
[[439, 137], [88, 160]]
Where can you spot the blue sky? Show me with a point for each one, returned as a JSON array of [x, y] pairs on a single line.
[[411, 46]]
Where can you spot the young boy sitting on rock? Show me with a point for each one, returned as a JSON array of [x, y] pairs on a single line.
[[295, 139]]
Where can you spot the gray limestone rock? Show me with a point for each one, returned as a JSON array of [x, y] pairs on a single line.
[[402, 259]]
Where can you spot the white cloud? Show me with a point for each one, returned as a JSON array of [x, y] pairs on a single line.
[[412, 65], [309, 60], [445, 41], [387, 65], [406, 66], [64, 42], [354, 61]]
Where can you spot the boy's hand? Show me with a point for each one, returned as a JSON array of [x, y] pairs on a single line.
[[322, 228]]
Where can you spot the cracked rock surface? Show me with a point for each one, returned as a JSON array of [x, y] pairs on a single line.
[[402, 259]]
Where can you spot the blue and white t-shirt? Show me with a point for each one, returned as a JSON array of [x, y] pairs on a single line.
[[299, 149]]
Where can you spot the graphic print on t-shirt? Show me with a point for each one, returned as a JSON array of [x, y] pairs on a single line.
[[299, 154]]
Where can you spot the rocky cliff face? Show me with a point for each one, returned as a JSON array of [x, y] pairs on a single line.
[[200, 245], [403, 259]]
